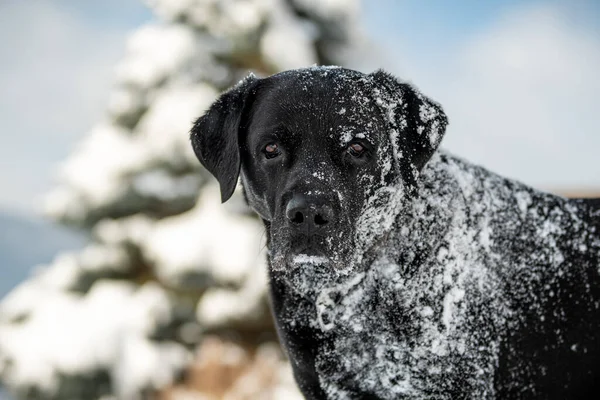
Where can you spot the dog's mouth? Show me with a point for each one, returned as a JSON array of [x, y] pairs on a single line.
[[308, 275], [293, 250], [300, 253]]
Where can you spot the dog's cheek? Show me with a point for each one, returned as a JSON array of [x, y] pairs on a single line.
[[378, 216], [387, 166], [278, 252], [256, 201]]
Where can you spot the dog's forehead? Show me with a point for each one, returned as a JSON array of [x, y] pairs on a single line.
[[335, 102]]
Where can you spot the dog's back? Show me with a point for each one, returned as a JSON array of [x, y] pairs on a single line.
[[543, 252], [593, 207], [556, 344]]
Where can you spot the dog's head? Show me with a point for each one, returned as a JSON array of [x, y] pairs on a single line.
[[325, 155]]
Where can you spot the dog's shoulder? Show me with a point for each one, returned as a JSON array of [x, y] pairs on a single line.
[[590, 212]]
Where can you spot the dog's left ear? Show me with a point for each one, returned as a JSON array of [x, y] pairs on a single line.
[[420, 122], [215, 135]]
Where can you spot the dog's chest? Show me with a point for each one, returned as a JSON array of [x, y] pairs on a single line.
[[383, 334]]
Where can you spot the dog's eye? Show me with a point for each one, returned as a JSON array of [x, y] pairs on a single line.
[[356, 149], [271, 150]]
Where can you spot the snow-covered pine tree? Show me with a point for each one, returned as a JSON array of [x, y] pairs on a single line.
[[171, 284]]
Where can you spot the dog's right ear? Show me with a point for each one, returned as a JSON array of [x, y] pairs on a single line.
[[215, 135]]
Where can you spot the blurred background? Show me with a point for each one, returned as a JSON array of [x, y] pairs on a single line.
[[118, 279]]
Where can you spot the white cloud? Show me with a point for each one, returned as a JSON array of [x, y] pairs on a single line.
[[522, 97], [55, 76]]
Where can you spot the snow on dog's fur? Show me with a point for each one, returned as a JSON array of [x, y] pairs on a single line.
[[396, 269]]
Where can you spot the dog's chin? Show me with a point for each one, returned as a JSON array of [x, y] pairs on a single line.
[[309, 267], [295, 258], [310, 257], [291, 251], [307, 258]]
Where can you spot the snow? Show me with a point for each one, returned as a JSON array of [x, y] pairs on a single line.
[[288, 42], [165, 125], [243, 307], [330, 8], [124, 230], [146, 364], [222, 18], [454, 296], [155, 52], [97, 169], [83, 333], [306, 259], [224, 250]]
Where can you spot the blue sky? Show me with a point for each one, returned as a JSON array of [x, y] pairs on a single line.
[[518, 80], [449, 22]]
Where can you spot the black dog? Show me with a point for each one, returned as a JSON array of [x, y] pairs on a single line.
[[397, 270]]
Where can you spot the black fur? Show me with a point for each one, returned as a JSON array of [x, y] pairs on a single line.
[[401, 271]]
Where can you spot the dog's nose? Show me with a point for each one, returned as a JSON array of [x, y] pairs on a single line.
[[305, 213]]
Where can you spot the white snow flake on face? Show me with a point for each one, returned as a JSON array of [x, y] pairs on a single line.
[[319, 175], [345, 137], [306, 259]]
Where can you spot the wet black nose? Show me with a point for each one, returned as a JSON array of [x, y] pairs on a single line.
[[305, 213]]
